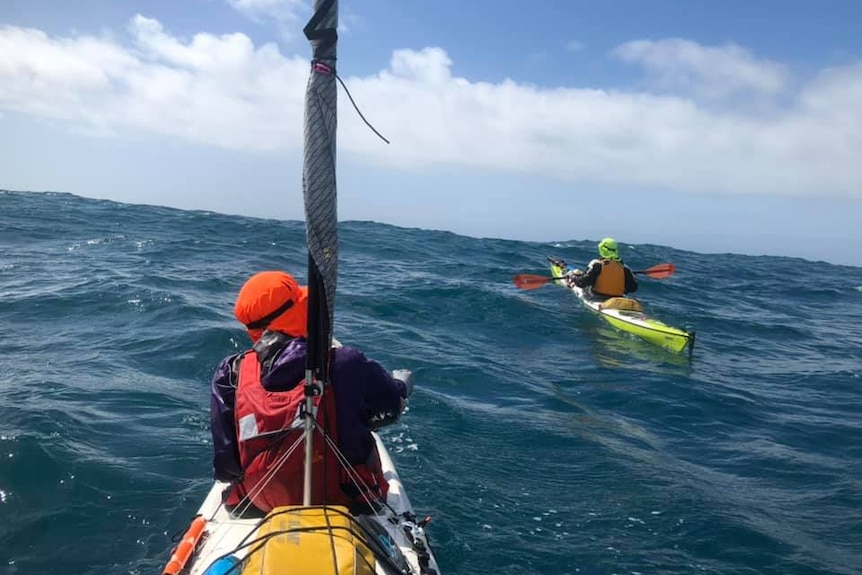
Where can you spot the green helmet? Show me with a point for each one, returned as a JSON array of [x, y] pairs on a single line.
[[608, 249]]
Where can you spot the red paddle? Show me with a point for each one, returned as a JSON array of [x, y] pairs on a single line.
[[531, 281]]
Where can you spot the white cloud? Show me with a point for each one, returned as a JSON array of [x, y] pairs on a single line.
[[227, 92], [678, 64]]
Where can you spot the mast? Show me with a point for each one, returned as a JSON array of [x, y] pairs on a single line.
[[319, 191]]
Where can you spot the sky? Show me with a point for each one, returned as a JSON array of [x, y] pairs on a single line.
[[730, 126]]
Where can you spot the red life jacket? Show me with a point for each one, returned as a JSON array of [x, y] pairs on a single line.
[[268, 424]]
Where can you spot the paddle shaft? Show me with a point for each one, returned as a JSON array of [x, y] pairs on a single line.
[[530, 281]]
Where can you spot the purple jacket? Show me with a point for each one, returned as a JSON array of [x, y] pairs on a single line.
[[363, 390]]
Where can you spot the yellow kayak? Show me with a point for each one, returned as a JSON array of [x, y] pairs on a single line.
[[626, 314]]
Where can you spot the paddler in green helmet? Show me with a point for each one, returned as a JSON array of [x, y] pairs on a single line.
[[607, 276]]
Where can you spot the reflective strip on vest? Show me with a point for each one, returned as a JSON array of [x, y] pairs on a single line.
[[248, 425]]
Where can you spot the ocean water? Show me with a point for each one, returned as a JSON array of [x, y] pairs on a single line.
[[539, 439]]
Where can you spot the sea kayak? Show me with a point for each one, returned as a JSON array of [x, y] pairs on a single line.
[[633, 320], [312, 539]]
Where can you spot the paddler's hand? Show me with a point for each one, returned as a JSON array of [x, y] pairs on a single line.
[[405, 376]]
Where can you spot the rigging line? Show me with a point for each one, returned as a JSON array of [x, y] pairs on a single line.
[[348, 468], [321, 68], [355, 107], [334, 555], [257, 489], [247, 501], [356, 478], [273, 471]]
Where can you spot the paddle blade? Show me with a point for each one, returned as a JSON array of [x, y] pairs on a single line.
[[530, 281], [659, 271]]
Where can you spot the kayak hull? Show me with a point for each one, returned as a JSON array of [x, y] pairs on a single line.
[[634, 322]]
